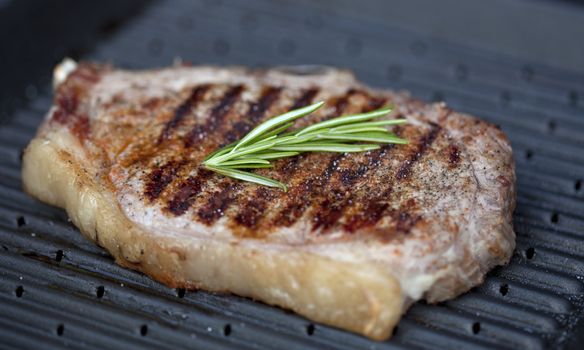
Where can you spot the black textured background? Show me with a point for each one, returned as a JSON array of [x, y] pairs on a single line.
[[516, 63]]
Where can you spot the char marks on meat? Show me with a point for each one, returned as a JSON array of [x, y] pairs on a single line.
[[355, 239]]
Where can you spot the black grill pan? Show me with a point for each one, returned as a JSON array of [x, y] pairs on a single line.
[[59, 290]]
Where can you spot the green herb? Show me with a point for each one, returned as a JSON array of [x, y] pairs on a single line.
[[272, 140]]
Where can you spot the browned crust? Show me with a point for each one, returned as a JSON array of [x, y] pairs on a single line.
[[366, 196], [363, 298]]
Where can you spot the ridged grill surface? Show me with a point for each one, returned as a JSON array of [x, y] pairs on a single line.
[[58, 289]]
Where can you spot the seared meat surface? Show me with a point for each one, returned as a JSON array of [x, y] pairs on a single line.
[[355, 240]]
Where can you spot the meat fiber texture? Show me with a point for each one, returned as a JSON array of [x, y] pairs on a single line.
[[354, 242]]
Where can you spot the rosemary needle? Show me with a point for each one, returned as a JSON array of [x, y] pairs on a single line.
[[272, 140]]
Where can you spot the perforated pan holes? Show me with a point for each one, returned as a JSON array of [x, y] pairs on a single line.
[[60, 329], [555, 218], [578, 185], [527, 73], [310, 328], [143, 330], [99, 292], [20, 221], [476, 327], [528, 154], [180, 292], [227, 330], [19, 291], [530, 253], [504, 289], [573, 98], [552, 126], [59, 255]]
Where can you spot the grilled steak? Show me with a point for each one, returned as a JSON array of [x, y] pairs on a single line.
[[356, 239]]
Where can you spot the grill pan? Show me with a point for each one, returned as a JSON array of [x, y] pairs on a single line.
[[59, 290]]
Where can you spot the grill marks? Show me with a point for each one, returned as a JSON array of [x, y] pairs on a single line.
[[252, 210], [319, 182], [217, 204], [305, 99], [257, 111], [221, 200], [288, 165], [342, 102], [186, 192], [303, 195], [329, 211], [160, 178], [216, 117], [370, 211], [375, 204], [376, 103], [182, 111], [300, 197], [421, 147]]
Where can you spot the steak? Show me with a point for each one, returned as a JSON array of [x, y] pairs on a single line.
[[354, 242]]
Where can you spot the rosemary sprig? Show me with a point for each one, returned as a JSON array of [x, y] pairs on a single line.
[[272, 140]]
